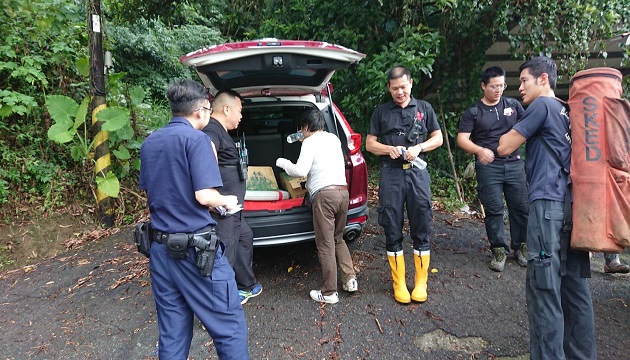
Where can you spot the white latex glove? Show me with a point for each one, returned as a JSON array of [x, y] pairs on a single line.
[[282, 162]]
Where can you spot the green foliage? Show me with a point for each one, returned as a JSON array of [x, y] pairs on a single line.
[[170, 12], [148, 52], [565, 29], [70, 117], [39, 41]]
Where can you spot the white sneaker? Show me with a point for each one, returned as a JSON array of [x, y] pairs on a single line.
[[328, 299], [351, 285]]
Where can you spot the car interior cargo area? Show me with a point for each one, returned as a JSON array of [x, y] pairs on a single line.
[[264, 129]]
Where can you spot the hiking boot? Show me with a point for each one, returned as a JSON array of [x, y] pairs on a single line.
[[246, 295], [614, 265], [351, 285], [521, 255], [498, 259], [328, 299]]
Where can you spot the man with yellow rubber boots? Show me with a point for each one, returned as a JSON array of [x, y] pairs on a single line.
[[401, 130]]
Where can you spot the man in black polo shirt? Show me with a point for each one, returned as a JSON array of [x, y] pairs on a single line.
[[480, 128], [232, 228], [401, 130]]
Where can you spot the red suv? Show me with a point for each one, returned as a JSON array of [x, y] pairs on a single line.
[[279, 80]]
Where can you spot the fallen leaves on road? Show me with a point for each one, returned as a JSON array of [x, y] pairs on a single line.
[[362, 260], [87, 236], [378, 323], [137, 269], [431, 316]]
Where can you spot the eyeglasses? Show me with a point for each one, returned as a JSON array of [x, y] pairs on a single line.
[[498, 87], [205, 108]]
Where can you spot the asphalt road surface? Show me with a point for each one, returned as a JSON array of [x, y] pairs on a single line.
[[96, 303]]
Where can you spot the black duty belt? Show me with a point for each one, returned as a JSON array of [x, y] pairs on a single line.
[[161, 237], [509, 157], [397, 165], [228, 166]]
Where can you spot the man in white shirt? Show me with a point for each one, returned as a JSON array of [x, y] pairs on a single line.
[[321, 159]]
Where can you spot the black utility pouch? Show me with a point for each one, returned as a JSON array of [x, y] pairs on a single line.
[[177, 245], [542, 273], [143, 237]]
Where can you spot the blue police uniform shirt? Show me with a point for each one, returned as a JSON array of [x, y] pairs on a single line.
[[546, 118], [491, 123], [390, 123], [176, 161]]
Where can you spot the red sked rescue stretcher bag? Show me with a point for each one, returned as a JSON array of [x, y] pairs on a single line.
[[600, 161]]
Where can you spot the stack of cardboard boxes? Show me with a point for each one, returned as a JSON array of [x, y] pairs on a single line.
[[262, 178]]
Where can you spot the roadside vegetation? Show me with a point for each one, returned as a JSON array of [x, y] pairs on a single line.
[[44, 55]]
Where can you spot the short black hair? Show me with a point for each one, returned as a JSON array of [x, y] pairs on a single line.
[[491, 72], [185, 96], [312, 120], [229, 93], [397, 72], [539, 65]]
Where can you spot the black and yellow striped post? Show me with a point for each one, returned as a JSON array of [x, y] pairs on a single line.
[[101, 138], [102, 166]]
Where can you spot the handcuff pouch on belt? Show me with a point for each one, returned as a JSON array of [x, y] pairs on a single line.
[[143, 237], [177, 245]]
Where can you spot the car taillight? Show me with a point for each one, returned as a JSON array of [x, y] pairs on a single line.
[[355, 140], [359, 220]]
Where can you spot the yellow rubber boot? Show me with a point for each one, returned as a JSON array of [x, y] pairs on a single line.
[[397, 263], [421, 260]]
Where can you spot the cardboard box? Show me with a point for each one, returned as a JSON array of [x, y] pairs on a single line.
[[292, 185], [261, 178]]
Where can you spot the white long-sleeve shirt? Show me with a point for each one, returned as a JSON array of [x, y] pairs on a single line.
[[321, 159]]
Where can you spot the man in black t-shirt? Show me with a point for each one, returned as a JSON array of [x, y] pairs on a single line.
[[480, 128], [232, 229]]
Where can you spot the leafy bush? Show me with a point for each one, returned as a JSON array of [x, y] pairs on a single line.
[[148, 52]]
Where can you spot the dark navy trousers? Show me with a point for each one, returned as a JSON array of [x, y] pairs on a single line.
[[180, 292], [399, 189], [495, 180], [559, 306]]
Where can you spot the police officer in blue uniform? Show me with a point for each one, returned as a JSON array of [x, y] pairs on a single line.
[[180, 178], [401, 130]]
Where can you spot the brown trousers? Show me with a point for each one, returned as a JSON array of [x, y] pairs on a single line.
[[330, 210]]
